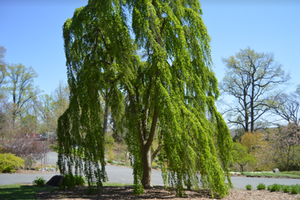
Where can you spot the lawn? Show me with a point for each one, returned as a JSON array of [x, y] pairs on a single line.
[[19, 191], [272, 175]]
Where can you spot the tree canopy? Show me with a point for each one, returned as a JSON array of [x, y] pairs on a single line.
[[20, 88], [152, 60], [241, 156]]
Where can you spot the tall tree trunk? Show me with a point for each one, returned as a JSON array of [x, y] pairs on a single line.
[[105, 115], [147, 168], [252, 100]]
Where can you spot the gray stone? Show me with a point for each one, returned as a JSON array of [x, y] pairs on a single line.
[[276, 171], [55, 180]]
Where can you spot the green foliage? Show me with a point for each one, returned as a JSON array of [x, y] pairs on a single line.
[[109, 141], [276, 188], [287, 189], [37, 168], [9, 163], [109, 144], [167, 92], [269, 187], [40, 182], [291, 172], [111, 161], [261, 186], [241, 156], [248, 187], [71, 181], [20, 88], [295, 189], [53, 106]]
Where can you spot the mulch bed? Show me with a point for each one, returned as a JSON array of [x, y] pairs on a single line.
[[159, 193], [122, 192]]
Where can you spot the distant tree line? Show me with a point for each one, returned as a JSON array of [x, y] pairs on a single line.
[[25, 111]]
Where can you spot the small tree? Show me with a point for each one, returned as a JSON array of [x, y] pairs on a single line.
[[264, 156], [241, 157], [288, 106], [252, 141], [286, 141]]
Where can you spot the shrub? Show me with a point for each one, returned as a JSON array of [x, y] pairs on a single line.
[[70, 181], [10, 162], [261, 186], [38, 168], [287, 189], [295, 189], [40, 182], [275, 188], [29, 161], [80, 180], [248, 187], [111, 162], [270, 187]]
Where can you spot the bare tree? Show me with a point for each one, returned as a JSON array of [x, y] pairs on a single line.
[[251, 78], [288, 107]]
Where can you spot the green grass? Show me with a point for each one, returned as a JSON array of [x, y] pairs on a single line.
[[291, 172], [271, 174], [19, 191]]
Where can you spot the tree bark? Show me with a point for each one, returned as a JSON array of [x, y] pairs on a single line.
[[147, 168], [252, 97], [242, 168], [105, 115]]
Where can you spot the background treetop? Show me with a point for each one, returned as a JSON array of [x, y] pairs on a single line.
[[252, 79]]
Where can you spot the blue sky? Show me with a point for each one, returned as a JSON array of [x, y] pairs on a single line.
[[31, 32]]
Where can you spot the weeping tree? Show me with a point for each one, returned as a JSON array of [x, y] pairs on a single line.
[[152, 61]]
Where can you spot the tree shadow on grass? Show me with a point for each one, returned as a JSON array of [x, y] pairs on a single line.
[[19, 191]]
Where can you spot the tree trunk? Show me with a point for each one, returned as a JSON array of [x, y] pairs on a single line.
[[105, 116], [246, 112], [242, 167], [147, 169], [252, 99]]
